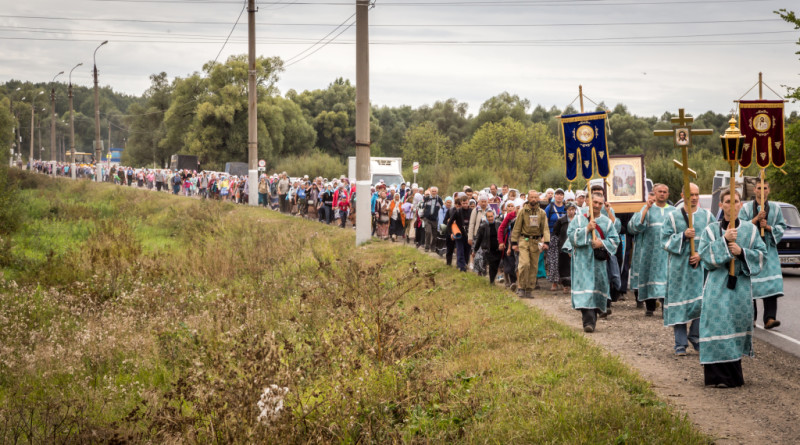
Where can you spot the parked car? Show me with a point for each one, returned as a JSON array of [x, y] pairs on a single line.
[[789, 247], [705, 203]]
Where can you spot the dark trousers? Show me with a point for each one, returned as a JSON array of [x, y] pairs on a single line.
[[770, 308], [509, 270], [650, 305], [462, 253], [494, 264], [430, 234], [284, 203], [450, 246], [589, 317], [326, 213], [158, 186]]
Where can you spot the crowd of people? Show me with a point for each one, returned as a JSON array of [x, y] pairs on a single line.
[[574, 240]]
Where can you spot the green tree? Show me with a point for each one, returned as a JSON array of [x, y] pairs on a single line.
[[426, 145], [332, 112], [504, 105], [146, 125], [450, 118], [518, 153]]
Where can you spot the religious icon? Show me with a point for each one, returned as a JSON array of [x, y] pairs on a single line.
[[625, 188], [761, 123], [682, 136], [585, 134]]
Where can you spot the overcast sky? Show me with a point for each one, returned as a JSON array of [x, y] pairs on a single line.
[[651, 55]]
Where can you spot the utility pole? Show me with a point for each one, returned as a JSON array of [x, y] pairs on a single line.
[[252, 112], [98, 150], [53, 123], [363, 198], [109, 134], [72, 171], [33, 108]]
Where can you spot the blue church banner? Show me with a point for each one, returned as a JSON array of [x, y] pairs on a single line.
[[585, 144]]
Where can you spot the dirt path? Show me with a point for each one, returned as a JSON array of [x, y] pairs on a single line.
[[765, 410]]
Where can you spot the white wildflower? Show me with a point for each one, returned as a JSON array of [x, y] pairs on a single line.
[[271, 403]]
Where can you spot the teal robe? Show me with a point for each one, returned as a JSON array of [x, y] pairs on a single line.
[[770, 281], [590, 287], [636, 254], [726, 318], [684, 297], [652, 261]]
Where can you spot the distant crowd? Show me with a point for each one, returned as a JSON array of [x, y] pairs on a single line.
[[705, 276]]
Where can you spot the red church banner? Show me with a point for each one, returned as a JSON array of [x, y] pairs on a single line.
[[762, 126]]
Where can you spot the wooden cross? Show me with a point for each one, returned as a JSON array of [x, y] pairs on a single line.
[[682, 133]]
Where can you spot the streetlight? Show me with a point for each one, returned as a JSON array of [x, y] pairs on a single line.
[[53, 123], [97, 147], [33, 109], [72, 126]]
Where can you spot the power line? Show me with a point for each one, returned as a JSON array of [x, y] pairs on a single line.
[[325, 37], [244, 6]]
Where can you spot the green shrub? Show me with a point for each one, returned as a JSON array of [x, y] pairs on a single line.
[[312, 164]]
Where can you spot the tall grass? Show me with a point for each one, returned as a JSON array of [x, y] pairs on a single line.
[[151, 318]]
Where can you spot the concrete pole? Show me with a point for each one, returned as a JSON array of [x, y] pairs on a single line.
[[72, 167], [363, 197], [98, 150], [252, 111], [53, 125], [33, 108]]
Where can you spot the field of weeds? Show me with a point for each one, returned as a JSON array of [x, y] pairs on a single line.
[[132, 316]]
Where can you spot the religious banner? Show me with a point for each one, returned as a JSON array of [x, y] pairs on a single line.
[[585, 144], [762, 127]]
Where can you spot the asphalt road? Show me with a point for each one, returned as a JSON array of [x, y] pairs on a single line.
[[787, 336]]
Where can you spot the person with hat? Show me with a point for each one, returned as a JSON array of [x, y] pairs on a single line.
[[529, 237], [554, 211]]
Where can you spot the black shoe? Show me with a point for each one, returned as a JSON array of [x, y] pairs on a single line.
[[639, 305], [588, 328], [648, 313]]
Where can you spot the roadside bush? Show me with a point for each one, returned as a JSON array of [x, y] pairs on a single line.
[[312, 164]]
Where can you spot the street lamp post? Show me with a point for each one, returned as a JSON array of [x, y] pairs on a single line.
[[53, 124], [72, 171], [97, 146]]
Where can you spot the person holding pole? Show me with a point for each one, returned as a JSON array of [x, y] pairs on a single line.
[[686, 276], [767, 216], [591, 242], [726, 316]]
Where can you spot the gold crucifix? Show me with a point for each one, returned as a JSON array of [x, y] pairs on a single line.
[[682, 133]]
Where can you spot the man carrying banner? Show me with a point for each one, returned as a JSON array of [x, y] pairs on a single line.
[[726, 317], [652, 269], [686, 276], [590, 285], [768, 286]]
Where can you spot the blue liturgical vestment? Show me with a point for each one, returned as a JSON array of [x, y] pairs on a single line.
[[726, 318], [652, 258], [590, 287], [769, 282], [684, 297]]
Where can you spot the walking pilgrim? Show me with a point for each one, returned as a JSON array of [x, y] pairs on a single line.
[[652, 269], [685, 274], [590, 244], [768, 286], [726, 317]]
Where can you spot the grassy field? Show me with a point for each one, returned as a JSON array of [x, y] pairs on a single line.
[[133, 316]]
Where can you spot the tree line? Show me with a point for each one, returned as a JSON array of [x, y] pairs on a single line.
[[312, 132]]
